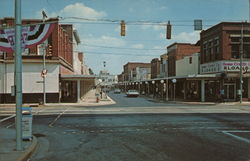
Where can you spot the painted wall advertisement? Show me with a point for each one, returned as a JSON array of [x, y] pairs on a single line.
[[224, 66]]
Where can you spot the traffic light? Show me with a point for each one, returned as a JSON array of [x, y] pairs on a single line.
[[49, 50], [168, 32], [123, 28]]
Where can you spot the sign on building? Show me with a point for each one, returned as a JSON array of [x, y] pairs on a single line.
[[224, 66]]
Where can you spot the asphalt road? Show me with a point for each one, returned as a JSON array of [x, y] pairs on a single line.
[[71, 133], [168, 137]]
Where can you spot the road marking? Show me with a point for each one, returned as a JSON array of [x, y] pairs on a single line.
[[10, 125], [7, 118], [51, 124], [237, 137], [39, 111]]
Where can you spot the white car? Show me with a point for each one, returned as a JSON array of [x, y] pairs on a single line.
[[132, 93], [117, 91]]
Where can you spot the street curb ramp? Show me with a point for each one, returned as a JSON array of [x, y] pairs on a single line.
[[26, 155]]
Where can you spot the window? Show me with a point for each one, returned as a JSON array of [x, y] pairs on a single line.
[[235, 51], [190, 60]]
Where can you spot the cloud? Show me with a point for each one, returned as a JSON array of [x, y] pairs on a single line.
[[80, 10], [184, 37], [137, 46], [155, 27], [104, 41], [75, 10], [191, 37]]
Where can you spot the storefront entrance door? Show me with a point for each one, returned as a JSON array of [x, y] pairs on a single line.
[[230, 92]]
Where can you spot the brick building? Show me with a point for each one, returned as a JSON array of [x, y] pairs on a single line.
[[61, 62], [220, 52], [155, 68], [130, 67], [177, 51]]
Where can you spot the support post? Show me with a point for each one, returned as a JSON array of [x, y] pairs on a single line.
[[44, 77], [241, 57], [202, 90], [18, 74], [78, 91], [167, 91]]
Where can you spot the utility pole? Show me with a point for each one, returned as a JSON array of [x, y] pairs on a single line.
[[44, 74], [18, 74], [241, 57]]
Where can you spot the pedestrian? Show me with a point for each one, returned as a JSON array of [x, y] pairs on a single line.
[[101, 93]]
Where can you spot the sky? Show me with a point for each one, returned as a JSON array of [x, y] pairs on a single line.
[[98, 25]]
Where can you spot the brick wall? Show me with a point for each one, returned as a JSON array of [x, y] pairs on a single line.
[[179, 51]]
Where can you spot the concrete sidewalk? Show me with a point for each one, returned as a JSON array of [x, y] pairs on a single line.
[[8, 146], [8, 150]]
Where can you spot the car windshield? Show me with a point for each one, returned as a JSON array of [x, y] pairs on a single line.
[[129, 80]]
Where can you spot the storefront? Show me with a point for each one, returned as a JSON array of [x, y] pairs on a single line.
[[228, 80]]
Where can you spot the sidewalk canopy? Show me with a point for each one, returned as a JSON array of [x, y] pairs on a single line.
[[78, 77]]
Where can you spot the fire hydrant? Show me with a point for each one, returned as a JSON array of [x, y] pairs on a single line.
[[97, 99]]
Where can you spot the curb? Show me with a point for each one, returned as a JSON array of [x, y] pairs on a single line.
[[25, 156]]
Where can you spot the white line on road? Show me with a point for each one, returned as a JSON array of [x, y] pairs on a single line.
[[39, 111], [7, 118], [10, 125], [237, 137], [51, 124]]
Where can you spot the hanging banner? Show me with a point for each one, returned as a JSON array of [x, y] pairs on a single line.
[[31, 36]]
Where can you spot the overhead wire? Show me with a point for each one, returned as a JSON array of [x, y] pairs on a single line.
[[100, 46]]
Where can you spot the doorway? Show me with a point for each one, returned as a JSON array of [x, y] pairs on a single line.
[[230, 91]]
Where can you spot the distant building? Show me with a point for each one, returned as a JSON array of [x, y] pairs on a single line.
[[130, 67], [107, 79], [155, 68], [164, 66]]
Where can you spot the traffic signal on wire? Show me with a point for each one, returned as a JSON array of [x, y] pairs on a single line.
[[123, 28], [168, 32], [49, 50]]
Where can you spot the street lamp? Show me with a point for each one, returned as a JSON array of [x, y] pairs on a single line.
[[153, 82], [174, 81], [162, 81], [148, 86]]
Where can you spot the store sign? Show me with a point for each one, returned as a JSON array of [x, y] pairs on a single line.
[[224, 66], [214, 67]]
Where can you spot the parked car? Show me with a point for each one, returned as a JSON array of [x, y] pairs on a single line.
[[117, 91], [132, 93]]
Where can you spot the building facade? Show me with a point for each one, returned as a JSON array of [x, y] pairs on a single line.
[[60, 59], [164, 65], [155, 68], [176, 52], [220, 55], [130, 67]]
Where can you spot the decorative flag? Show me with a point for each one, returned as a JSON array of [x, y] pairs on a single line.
[[31, 36]]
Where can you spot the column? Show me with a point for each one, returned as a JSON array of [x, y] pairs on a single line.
[[184, 90], [78, 90], [202, 90]]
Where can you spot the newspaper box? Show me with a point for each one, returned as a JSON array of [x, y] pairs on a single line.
[[26, 123]]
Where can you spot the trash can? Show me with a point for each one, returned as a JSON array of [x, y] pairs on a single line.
[[27, 123]]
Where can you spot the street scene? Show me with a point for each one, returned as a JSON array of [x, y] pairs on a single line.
[[93, 80]]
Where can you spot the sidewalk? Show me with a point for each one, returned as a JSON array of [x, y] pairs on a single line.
[[8, 146], [89, 100]]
